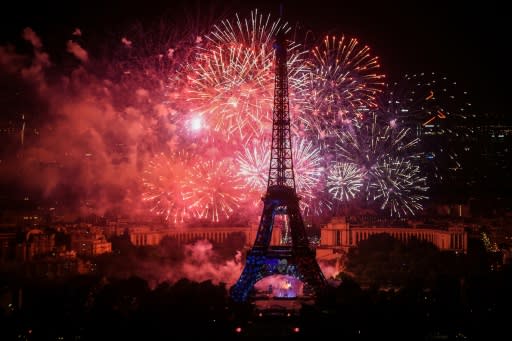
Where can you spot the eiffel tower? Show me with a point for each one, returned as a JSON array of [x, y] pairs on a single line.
[[296, 260]]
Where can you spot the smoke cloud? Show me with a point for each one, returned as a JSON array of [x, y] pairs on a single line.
[[197, 262], [89, 141], [78, 51]]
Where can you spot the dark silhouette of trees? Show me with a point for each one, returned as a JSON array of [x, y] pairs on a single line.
[[385, 261]]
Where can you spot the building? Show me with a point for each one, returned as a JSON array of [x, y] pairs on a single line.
[[115, 229], [38, 244], [146, 236], [151, 236], [32, 244], [7, 245], [343, 233], [63, 264], [89, 242], [12, 135], [20, 212], [216, 234]]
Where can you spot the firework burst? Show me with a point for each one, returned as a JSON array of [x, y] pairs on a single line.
[[212, 191], [386, 158], [231, 82], [344, 181], [342, 81], [254, 161], [162, 180], [145, 56], [371, 141], [306, 165], [398, 186]]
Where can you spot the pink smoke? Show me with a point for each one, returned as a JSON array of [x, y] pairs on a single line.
[[78, 51], [90, 143], [30, 36], [198, 265], [126, 42], [77, 32]]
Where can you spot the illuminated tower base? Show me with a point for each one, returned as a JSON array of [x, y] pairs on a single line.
[[297, 260]]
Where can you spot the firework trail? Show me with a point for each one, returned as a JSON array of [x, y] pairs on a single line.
[[438, 111], [342, 81], [425, 98]]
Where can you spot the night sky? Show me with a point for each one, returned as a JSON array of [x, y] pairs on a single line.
[[464, 40]]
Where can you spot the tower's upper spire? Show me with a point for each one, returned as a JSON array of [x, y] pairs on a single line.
[[281, 164]]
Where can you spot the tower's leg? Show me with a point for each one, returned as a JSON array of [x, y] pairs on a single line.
[[253, 272], [299, 255], [310, 270], [266, 224]]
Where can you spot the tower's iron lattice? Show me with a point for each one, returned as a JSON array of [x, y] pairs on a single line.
[[297, 259]]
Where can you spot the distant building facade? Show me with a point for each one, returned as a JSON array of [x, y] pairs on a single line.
[[151, 236], [90, 243], [146, 236], [7, 245], [37, 244], [215, 234], [339, 235]]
